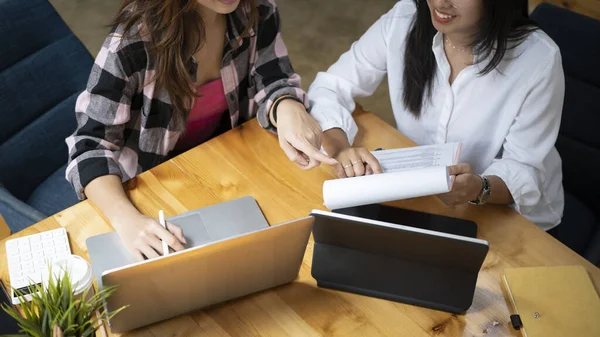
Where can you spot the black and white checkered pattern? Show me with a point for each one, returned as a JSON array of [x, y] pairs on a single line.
[[126, 124]]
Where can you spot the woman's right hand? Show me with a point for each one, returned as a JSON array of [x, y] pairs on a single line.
[[352, 161], [143, 236]]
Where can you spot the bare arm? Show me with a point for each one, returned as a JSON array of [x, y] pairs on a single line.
[[467, 187], [108, 195], [499, 193], [142, 235], [102, 111]]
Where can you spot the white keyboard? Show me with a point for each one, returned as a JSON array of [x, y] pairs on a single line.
[[28, 257]]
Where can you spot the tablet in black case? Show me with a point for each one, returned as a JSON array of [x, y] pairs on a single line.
[[399, 216], [394, 262]]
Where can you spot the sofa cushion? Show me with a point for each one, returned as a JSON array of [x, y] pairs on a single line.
[[37, 150], [579, 139], [577, 36], [26, 27], [54, 194], [579, 142], [43, 67], [581, 112], [16, 213], [578, 225]]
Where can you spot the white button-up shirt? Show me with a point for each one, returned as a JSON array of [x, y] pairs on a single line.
[[507, 120]]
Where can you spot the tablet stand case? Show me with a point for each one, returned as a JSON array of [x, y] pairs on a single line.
[[405, 266]]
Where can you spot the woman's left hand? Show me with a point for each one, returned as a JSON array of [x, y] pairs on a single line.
[[300, 135], [466, 187]]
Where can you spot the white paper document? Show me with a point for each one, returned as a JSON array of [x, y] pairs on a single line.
[[407, 173]]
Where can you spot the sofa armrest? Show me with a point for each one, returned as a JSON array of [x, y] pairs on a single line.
[[17, 214]]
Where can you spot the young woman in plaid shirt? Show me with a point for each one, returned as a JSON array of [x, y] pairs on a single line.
[[172, 74]]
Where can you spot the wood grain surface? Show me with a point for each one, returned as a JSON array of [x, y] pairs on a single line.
[[248, 161]]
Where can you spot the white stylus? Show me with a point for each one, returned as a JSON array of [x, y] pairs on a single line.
[[161, 219]]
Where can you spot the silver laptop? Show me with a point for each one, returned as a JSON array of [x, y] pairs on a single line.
[[231, 252], [200, 226]]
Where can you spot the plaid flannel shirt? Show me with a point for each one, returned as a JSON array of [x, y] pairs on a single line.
[[125, 122]]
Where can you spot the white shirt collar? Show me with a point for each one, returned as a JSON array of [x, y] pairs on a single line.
[[438, 50]]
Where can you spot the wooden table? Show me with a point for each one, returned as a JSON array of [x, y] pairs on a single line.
[[248, 161]]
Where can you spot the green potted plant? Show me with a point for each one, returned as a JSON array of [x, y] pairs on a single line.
[[55, 311]]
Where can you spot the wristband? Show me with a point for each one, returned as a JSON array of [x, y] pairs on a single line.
[[276, 104]]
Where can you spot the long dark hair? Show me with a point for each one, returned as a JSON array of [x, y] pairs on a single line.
[[177, 31], [504, 25]]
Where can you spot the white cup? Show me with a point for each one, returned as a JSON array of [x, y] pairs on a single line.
[[80, 273]]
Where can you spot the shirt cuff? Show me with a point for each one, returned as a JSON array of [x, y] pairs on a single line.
[[263, 111], [82, 171], [521, 180], [331, 117]]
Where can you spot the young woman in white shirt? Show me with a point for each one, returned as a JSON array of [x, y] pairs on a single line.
[[471, 71]]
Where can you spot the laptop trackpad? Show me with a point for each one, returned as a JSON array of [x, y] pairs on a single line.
[[194, 230]]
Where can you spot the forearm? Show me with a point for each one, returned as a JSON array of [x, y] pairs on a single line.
[[334, 140], [285, 104], [108, 195], [499, 192]]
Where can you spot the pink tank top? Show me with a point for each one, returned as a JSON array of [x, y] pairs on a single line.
[[205, 115]]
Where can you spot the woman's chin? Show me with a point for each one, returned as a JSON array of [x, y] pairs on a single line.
[[226, 6]]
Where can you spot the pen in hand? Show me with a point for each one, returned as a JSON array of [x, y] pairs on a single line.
[[161, 219]]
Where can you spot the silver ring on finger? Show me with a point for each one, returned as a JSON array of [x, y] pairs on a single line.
[[347, 166], [356, 162]]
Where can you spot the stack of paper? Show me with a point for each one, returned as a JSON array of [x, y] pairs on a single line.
[[407, 173]]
